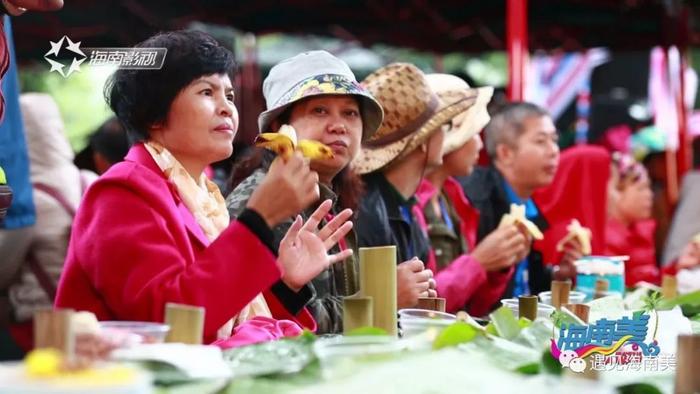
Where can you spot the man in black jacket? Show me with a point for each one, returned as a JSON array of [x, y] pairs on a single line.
[[522, 143], [392, 163]]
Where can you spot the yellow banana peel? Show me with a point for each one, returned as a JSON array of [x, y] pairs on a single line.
[[517, 216], [284, 143], [581, 234]]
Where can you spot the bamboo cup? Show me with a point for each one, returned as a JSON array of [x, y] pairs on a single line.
[[527, 307], [560, 292], [669, 287], [432, 303], [601, 288], [688, 359], [378, 280], [52, 329], [580, 310], [357, 312], [186, 323]]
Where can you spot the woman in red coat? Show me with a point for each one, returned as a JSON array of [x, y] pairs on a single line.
[[630, 229], [154, 230]]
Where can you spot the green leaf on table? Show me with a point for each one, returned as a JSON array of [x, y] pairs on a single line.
[[638, 388], [454, 335], [529, 369], [366, 331], [505, 322], [691, 299], [524, 322], [550, 364], [491, 329]]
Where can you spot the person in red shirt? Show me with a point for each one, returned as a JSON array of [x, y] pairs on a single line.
[[468, 276], [630, 229], [153, 229]]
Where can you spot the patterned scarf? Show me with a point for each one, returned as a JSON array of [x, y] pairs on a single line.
[[204, 200]]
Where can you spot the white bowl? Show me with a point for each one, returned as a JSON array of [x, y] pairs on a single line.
[[339, 355], [575, 297], [543, 310], [416, 321], [148, 332]]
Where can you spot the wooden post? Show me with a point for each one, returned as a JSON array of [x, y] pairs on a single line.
[[527, 307], [432, 303], [378, 280], [52, 329], [560, 292], [357, 312], [186, 323], [687, 361]]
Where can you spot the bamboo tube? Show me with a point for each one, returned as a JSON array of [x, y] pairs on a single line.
[[688, 358], [357, 312], [432, 303], [52, 329], [669, 287], [186, 323], [527, 307], [580, 310], [560, 292], [378, 280], [601, 288]]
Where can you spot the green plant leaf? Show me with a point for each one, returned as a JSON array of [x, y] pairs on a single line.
[[505, 322], [691, 299], [454, 335], [550, 364], [491, 329], [638, 388], [529, 369], [3, 180]]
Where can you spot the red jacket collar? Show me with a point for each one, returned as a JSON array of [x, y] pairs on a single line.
[[138, 154]]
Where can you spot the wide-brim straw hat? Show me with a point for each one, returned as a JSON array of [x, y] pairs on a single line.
[[450, 88], [311, 74], [412, 114]]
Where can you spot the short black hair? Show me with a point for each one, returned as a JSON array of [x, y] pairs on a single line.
[[141, 98], [110, 141]]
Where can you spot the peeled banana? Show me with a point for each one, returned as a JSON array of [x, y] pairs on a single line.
[[517, 216], [581, 234], [284, 143]]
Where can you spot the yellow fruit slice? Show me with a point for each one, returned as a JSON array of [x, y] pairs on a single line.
[[578, 232], [517, 216], [284, 142]]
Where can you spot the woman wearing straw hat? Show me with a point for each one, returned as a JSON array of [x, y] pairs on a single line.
[[317, 94], [451, 222], [393, 161], [153, 229]]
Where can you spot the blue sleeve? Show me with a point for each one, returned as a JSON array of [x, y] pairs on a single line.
[[14, 158]]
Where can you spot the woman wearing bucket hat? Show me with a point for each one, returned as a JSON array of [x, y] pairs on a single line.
[[451, 222], [317, 94], [153, 230], [393, 161]]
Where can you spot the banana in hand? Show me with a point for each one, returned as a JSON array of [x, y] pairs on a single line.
[[284, 143], [517, 216], [578, 232]]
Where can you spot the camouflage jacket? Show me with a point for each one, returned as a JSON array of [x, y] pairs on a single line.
[[331, 285]]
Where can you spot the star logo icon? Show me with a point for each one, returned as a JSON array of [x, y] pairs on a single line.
[[56, 47]]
